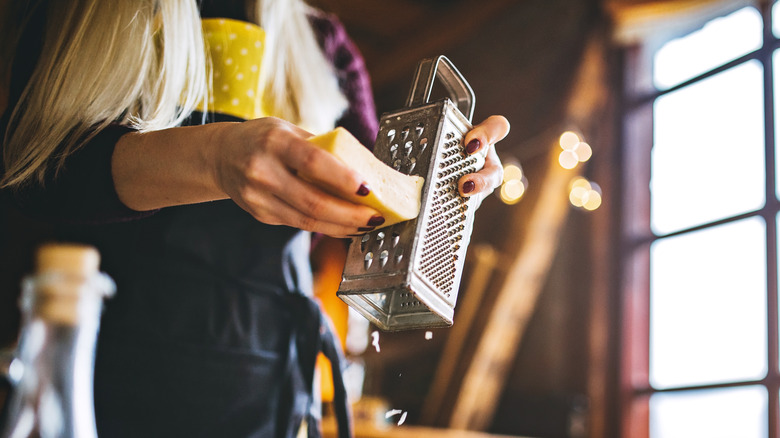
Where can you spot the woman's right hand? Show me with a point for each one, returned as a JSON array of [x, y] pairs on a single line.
[[257, 163]]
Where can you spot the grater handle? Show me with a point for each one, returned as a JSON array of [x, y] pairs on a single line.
[[440, 67]]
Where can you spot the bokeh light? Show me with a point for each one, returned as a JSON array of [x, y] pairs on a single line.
[[568, 159], [584, 194], [514, 185], [575, 150], [512, 172], [568, 140], [512, 191], [583, 151]]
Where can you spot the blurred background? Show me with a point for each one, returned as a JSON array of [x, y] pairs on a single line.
[[623, 281]]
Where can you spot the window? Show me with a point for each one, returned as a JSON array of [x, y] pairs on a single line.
[[701, 214]]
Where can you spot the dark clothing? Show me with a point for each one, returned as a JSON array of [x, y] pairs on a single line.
[[212, 331]]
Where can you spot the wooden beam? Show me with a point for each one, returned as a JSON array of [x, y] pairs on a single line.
[[485, 259], [498, 345]]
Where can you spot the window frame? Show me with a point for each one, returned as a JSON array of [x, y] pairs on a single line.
[[636, 236]]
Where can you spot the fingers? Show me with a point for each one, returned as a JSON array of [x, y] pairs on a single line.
[[275, 211], [316, 203], [321, 166], [490, 131], [483, 137], [486, 180], [281, 182], [274, 173]]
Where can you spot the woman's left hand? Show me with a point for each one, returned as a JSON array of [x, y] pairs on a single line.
[[485, 135]]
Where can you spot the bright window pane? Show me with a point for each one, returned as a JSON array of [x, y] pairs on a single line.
[[776, 64], [714, 413], [719, 41], [776, 19], [708, 306], [708, 152]]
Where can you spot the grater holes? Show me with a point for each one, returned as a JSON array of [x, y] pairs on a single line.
[[394, 150], [399, 255], [397, 165], [423, 143], [408, 300], [418, 130], [368, 259], [404, 133], [380, 238], [391, 135], [408, 148], [412, 163], [395, 238], [383, 256], [364, 242], [449, 153]]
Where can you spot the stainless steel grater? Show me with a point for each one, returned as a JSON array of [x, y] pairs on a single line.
[[407, 275]]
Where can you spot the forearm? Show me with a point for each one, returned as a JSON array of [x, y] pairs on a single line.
[[169, 167], [255, 163]]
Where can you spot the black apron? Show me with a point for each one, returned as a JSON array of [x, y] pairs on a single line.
[[212, 331]]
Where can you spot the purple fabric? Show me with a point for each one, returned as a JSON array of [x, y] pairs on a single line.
[[360, 118]]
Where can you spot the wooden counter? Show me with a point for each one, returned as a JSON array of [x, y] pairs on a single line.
[[363, 430]]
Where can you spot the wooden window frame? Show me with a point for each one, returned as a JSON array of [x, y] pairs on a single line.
[[634, 389]]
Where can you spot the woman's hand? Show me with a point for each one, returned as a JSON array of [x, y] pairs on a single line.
[[258, 165], [485, 135], [255, 163]]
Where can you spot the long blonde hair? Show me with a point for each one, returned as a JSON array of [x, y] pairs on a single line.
[[297, 81], [139, 63]]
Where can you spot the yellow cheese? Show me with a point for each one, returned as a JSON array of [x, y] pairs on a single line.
[[395, 195]]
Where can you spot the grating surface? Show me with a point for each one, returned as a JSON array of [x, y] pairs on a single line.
[[447, 219]]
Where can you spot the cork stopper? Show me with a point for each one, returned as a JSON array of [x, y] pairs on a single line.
[[68, 259], [64, 287]]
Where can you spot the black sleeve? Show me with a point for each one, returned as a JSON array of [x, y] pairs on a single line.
[[82, 191]]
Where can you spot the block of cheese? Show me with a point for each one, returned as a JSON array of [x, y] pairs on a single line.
[[395, 195]]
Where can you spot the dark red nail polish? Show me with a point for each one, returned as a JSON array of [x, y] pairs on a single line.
[[366, 229], [472, 146], [376, 221], [363, 190], [469, 186]]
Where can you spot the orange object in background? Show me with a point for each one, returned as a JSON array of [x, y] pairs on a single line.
[[328, 258]]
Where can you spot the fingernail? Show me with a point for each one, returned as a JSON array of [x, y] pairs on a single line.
[[363, 190], [472, 146], [376, 221], [365, 229], [468, 186]]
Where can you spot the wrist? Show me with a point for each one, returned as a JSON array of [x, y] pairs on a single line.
[[211, 154]]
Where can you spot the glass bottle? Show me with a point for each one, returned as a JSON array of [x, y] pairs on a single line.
[[61, 305]]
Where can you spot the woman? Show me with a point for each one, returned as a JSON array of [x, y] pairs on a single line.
[[204, 228]]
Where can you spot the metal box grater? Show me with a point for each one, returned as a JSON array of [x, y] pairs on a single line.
[[407, 275]]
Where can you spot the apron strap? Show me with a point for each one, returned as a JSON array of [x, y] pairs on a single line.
[[331, 348], [312, 332]]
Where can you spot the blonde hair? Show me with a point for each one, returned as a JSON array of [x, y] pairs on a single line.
[[139, 63], [298, 83]]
